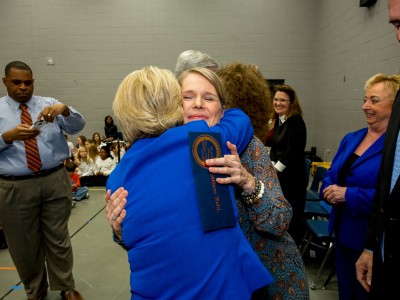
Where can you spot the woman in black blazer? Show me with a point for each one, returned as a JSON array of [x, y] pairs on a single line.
[[287, 154]]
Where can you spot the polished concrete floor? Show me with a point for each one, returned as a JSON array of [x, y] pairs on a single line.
[[100, 266]]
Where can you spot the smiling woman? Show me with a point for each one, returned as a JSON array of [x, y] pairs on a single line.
[[287, 153], [349, 185]]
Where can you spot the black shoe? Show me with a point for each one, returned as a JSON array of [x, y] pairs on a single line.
[[3, 243]]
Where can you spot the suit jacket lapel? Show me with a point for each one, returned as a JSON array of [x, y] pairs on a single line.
[[390, 144], [352, 143], [374, 149]]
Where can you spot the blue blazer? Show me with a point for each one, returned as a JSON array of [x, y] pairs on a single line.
[[361, 185], [170, 256]]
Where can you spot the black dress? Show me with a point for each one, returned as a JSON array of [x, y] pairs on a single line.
[[111, 131], [288, 146]]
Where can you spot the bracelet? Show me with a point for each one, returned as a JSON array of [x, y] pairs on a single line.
[[257, 193], [119, 241]]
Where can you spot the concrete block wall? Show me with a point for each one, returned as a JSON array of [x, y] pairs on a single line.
[[353, 44], [312, 44]]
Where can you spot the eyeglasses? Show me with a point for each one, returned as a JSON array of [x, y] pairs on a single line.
[[281, 100]]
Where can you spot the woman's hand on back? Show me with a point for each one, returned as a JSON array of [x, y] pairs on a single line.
[[115, 209]]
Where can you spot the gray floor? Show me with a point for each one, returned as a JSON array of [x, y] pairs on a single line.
[[100, 267]]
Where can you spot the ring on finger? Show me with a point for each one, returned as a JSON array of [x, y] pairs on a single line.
[[114, 217]]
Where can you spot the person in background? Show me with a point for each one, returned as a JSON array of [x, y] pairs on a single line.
[[127, 145], [97, 141], [117, 151], [85, 165], [104, 165], [88, 142], [287, 154], [377, 268], [81, 141], [35, 194], [350, 183], [92, 153], [70, 147], [226, 266], [110, 130], [252, 93], [194, 59], [246, 89], [78, 192]]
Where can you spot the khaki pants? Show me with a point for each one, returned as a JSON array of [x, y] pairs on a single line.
[[34, 214]]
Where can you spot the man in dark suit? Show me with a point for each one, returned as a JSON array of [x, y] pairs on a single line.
[[378, 266]]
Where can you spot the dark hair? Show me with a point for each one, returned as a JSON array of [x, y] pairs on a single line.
[[107, 150], [83, 139], [105, 121], [294, 108], [70, 166], [16, 65], [94, 140]]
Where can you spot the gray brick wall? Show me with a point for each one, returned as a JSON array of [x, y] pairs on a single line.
[[313, 44]]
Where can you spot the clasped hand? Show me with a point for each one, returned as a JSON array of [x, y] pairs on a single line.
[[334, 193]]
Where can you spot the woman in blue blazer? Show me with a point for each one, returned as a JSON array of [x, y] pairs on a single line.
[[350, 183], [171, 254]]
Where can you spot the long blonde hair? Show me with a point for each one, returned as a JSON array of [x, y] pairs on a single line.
[[84, 159], [92, 151]]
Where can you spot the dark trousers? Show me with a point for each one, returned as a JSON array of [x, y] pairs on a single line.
[[384, 278], [3, 243], [94, 180], [349, 287]]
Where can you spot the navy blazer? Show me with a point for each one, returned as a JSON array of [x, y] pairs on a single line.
[[361, 183]]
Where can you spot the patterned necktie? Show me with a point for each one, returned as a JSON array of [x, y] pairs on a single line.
[[31, 147]]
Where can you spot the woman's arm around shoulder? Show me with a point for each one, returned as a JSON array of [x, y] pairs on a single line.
[[235, 127]]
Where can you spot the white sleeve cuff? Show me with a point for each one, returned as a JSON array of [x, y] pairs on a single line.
[[280, 166]]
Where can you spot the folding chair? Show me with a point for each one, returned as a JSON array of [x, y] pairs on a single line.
[[319, 237], [313, 191], [315, 209]]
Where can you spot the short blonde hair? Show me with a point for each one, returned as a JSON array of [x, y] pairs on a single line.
[[391, 83], [147, 103]]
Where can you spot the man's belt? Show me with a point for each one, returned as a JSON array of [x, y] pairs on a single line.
[[41, 173]]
